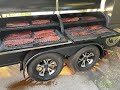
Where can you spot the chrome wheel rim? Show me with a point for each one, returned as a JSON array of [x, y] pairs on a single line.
[[46, 67], [86, 59]]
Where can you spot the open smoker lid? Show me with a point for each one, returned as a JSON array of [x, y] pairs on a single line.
[[78, 4], [10, 6]]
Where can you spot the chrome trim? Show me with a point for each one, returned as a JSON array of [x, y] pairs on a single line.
[[106, 17], [42, 13], [57, 5], [47, 13], [26, 14], [47, 65], [102, 6], [86, 57], [78, 11]]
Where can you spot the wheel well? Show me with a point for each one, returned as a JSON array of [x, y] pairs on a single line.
[[34, 53], [101, 50]]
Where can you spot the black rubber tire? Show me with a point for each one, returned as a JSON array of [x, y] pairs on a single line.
[[33, 73], [73, 60]]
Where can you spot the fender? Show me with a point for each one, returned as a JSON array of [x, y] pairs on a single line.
[[27, 62]]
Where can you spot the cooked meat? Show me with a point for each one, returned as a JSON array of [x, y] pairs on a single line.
[[18, 42], [17, 24], [100, 31], [44, 33], [80, 33], [48, 39], [94, 27], [75, 28], [88, 18], [18, 35], [46, 36], [36, 22], [70, 19]]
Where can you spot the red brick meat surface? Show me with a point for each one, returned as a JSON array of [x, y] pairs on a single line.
[[48, 39], [18, 35], [79, 33], [17, 24], [97, 29], [18, 42], [100, 31], [75, 28], [94, 27], [44, 33], [37, 22], [88, 18], [18, 38], [70, 19], [46, 36]]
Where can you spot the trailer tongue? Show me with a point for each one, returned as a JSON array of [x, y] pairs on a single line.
[[41, 42]]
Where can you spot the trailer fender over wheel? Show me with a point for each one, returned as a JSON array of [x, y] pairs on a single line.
[[85, 58], [45, 67]]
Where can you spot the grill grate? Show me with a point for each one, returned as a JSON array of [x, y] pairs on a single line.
[[87, 33], [39, 22], [79, 18], [23, 23], [80, 38], [70, 19], [52, 24], [61, 40], [34, 43], [18, 40]]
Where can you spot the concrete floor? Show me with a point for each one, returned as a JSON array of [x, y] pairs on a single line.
[[104, 76], [12, 79]]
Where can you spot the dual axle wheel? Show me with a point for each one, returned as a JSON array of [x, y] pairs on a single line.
[[45, 67], [48, 66], [85, 58]]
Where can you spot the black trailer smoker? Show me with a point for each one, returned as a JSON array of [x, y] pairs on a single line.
[[40, 34]]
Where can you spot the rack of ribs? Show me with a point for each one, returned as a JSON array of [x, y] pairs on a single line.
[[80, 33], [17, 24], [94, 27], [88, 18], [44, 33], [18, 35], [71, 19], [18, 42], [37, 22], [100, 31], [48, 39], [18, 38], [75, 28], [46, 36]]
